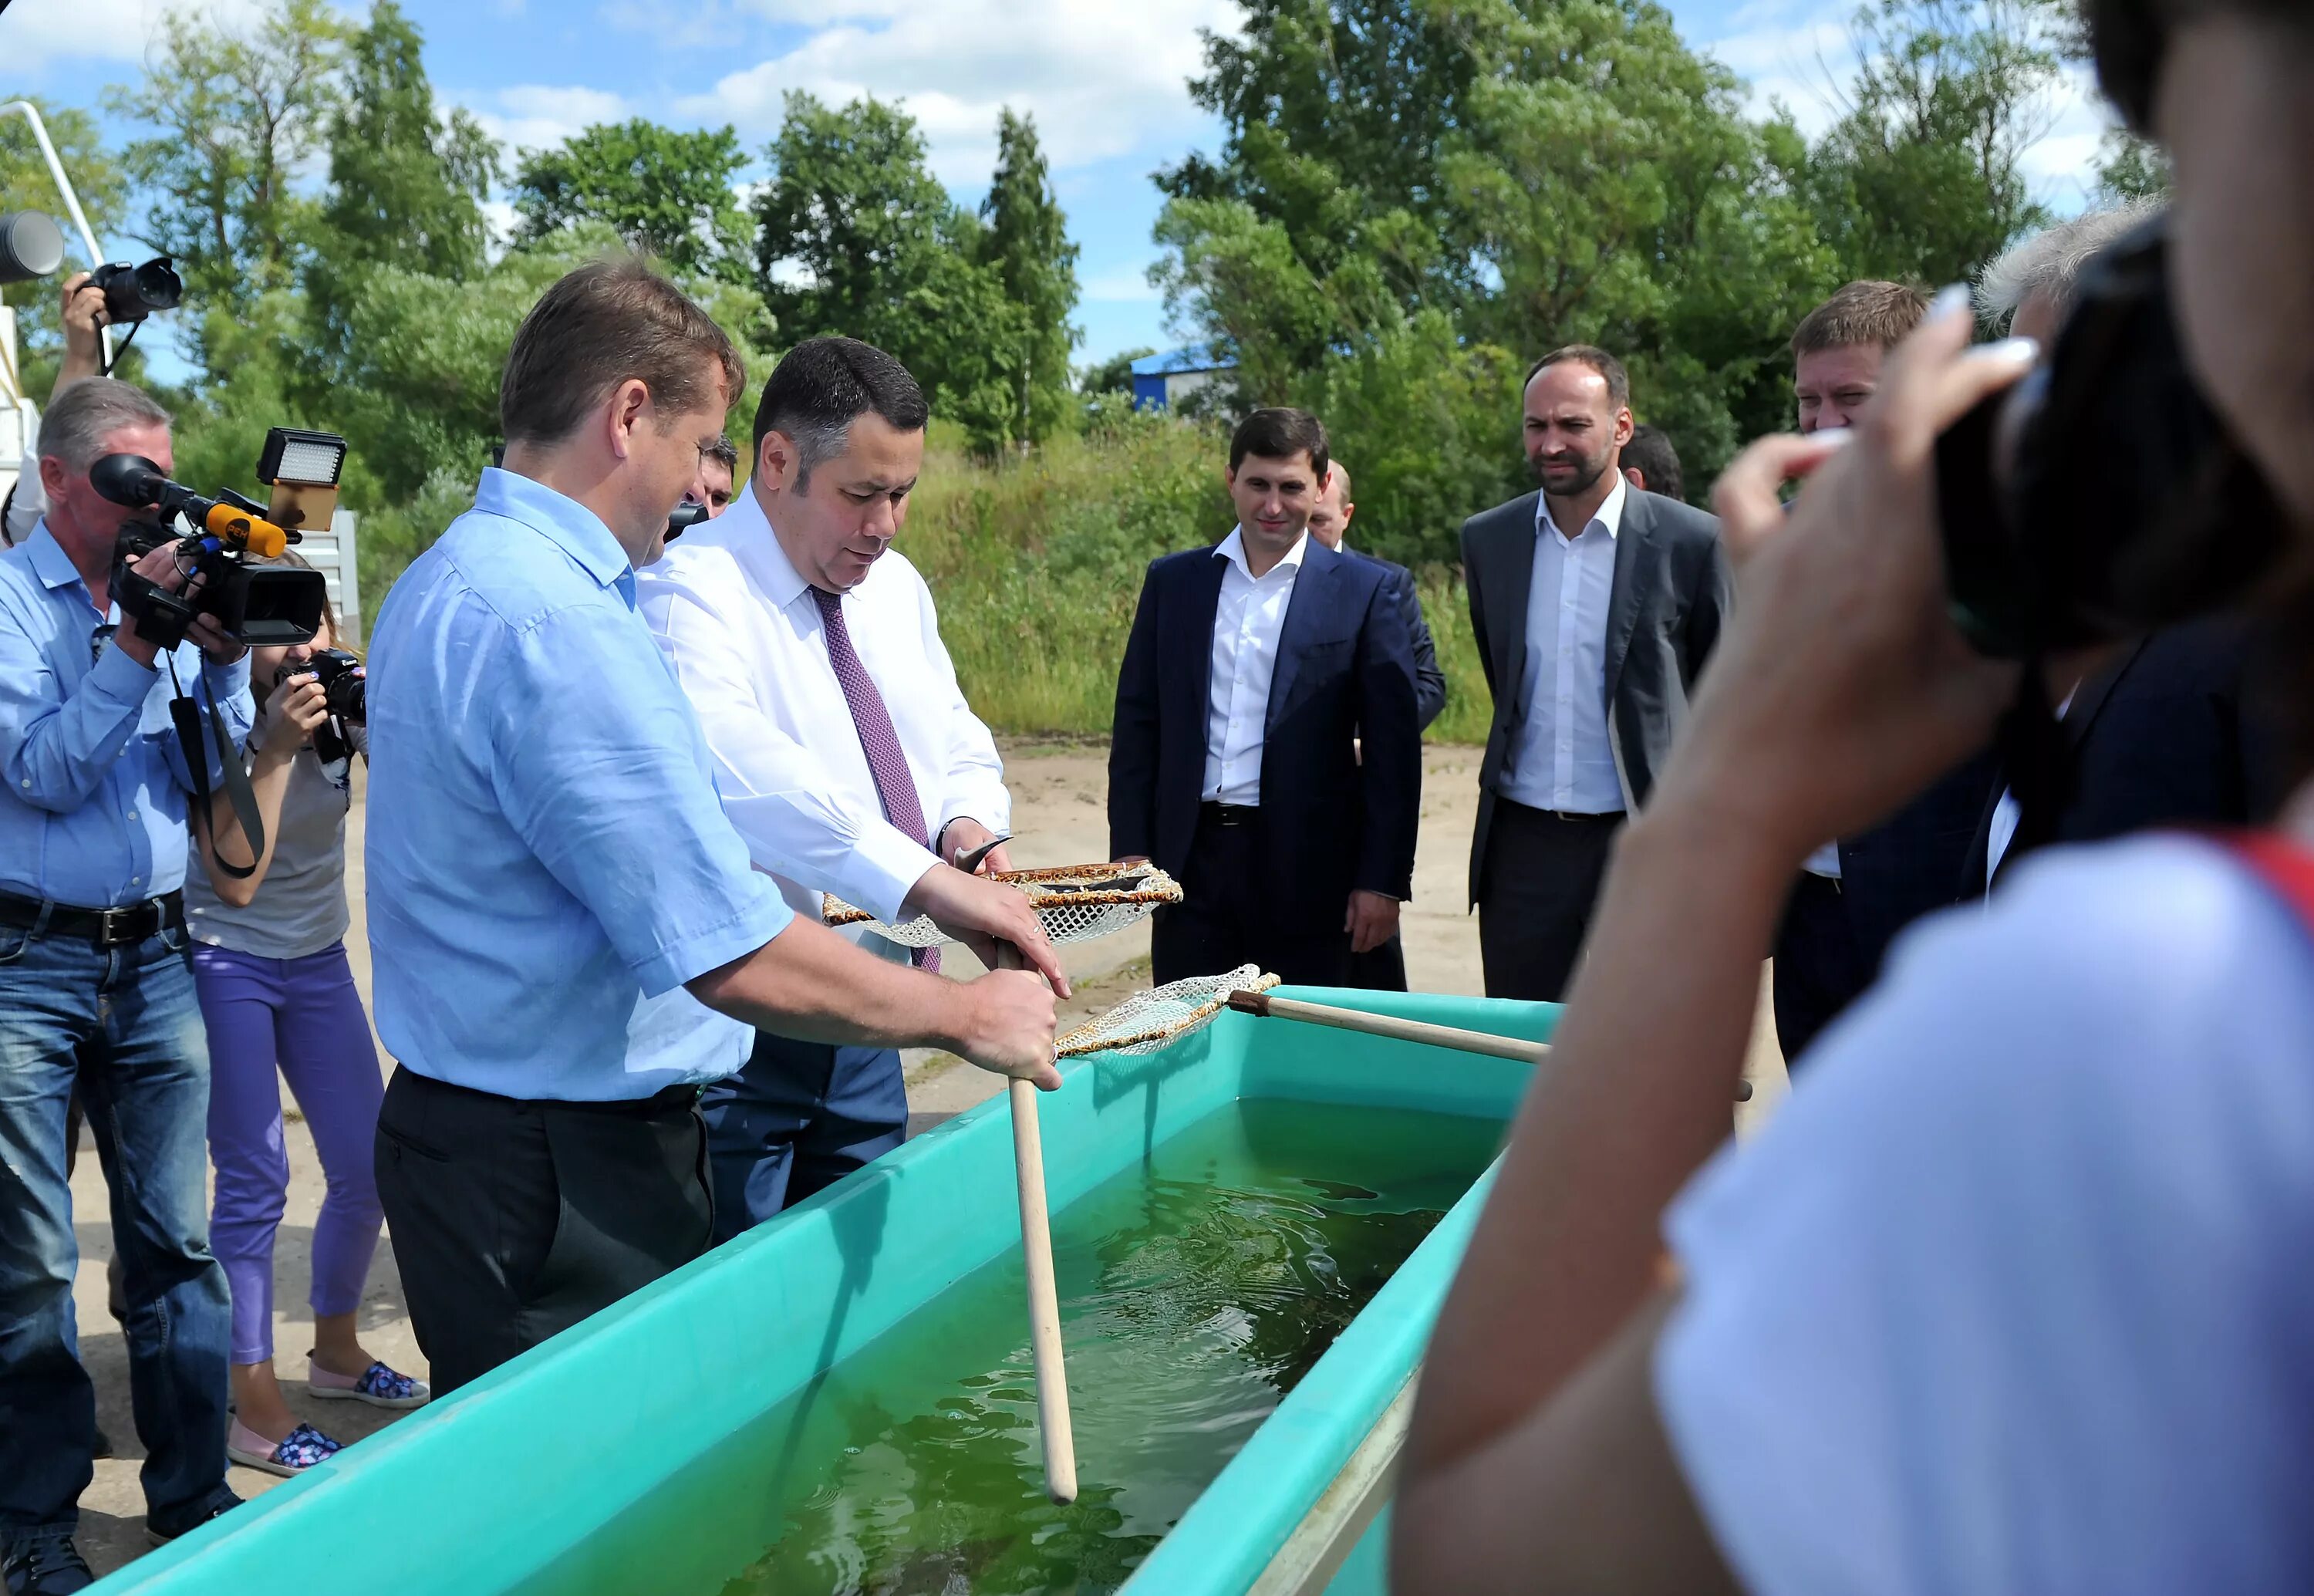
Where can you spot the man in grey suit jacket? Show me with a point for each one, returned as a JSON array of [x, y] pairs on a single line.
[[1594, 606]]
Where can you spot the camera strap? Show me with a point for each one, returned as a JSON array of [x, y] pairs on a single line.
[[185, 714]]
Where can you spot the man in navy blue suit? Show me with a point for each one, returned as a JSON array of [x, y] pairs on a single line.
[[1267, 752]]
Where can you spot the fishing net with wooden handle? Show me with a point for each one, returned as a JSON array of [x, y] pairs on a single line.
[[1149, 1020], [1073, 903]]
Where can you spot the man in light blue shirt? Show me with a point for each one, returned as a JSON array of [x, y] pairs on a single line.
[[96, 989], [568, 937]]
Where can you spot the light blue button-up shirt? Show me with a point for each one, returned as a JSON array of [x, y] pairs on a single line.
[[93, 778], [1560, 757], [547, 859]]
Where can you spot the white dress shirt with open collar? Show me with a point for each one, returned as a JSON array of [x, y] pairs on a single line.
[[1248, 620], [1560, 757], [743, 635]]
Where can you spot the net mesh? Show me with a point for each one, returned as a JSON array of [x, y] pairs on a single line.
[[1073, 903], [1149, 1020]]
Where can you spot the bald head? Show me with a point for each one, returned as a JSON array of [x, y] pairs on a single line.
[[1330, 519]]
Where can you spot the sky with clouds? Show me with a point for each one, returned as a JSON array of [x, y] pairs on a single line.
[[1105, 79]]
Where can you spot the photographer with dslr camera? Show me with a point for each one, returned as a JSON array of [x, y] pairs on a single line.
[[96, 988], [280, 1001], [2014, 1296]]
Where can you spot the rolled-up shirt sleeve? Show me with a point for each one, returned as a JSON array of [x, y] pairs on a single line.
[[774, 789], [56, 748], [2012, 1295], [601, 770]]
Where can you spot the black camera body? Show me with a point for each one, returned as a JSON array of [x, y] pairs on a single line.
[[132, 293], [345, 692], [2101, 497], [257, 606]]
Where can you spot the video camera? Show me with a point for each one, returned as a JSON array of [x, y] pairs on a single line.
[[345, 694], [256, 606], [2101, 497]]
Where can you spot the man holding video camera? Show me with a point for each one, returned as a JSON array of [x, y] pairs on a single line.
[[569, 939], [96, 988]]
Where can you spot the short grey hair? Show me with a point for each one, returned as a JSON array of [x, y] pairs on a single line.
[[2051, 262], [76, 427]]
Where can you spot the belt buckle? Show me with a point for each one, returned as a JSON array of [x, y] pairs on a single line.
[[114, 926]]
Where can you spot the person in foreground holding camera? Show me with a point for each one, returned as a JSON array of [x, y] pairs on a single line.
[[1992, 1306], [96, 989], [280, 1001], [569, 941]]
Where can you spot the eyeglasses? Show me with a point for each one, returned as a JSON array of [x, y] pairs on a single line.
[[98, 638]]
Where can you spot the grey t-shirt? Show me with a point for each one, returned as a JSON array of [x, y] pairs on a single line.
[[300, 907]]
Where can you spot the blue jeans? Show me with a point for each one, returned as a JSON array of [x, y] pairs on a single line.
[[124, 1023], [799, 1116]]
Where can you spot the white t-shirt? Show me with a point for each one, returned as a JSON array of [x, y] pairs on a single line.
[[2018, 1294]]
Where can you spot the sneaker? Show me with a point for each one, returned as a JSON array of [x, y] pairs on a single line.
[[376, 1385], [299, 1450], [161, 1532], [46, 1566]]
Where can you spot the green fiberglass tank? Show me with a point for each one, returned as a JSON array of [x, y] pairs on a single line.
[[1252, 1231]]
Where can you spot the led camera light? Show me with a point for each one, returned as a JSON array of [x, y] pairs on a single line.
[[306, 459]]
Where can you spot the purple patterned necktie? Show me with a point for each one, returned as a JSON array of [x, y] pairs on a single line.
[[896, 788]]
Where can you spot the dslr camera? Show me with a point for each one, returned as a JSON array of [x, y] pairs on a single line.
[[344, 692], [2101, 497], [255, 605]]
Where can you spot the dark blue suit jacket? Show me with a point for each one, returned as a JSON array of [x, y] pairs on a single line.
[[1331, 820]]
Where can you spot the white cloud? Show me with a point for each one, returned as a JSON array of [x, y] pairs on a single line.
[[1101, 80], [538, 116], [37, 34]]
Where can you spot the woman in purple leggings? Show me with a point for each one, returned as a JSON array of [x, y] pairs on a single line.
[[276, 995]]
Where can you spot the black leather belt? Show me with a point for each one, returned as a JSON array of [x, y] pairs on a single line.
[[107, 928], [1229, 813]]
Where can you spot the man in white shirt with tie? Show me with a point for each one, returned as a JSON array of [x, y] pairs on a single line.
[[844, 752], [1594, 604]]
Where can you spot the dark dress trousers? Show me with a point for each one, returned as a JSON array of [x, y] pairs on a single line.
[[1535, 884], [1835, 933], [2163, 735], [1272, 885], [1383, 968]]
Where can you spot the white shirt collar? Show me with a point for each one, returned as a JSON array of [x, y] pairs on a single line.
[[747, 531], [1232, 549], [1610, 514]]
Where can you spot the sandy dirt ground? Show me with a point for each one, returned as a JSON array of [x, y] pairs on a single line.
[[1058, 810]]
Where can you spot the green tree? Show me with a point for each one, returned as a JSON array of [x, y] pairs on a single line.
[[235, 114], [406, 184], [2132, 168], [403, 207], [857, 237], [1921, 180], [667, 193], [1026, 243]]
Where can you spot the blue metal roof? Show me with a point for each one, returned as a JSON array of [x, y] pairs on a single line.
[[1192, 357]]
